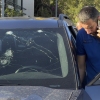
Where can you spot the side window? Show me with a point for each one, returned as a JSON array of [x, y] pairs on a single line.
[[73, 43], [73, 33]]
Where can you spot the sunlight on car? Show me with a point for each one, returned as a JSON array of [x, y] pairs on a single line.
[[39, 31], [9, 32]]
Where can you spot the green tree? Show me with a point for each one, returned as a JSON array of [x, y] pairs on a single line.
[[72, 8]]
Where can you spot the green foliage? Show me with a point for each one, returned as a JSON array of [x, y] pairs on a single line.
[[69, 7], [12, 13], [44, 12], [72, 7]]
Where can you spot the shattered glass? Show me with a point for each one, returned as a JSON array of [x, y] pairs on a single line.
[[30, 50]]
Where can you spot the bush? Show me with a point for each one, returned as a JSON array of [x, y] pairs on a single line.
[[13, 13]]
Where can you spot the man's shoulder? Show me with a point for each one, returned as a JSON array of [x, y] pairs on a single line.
[[82, 31], [82, 35]]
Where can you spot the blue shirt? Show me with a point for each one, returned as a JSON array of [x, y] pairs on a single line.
[[89, 46]]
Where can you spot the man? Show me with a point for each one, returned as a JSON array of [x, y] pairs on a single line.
[[88, 43]]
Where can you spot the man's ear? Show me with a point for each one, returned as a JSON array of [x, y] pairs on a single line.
[[99, 17], [78, 25]]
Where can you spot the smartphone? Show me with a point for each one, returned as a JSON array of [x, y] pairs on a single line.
[[98, 24]]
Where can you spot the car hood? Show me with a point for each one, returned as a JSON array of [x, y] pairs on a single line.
[[40, 93]]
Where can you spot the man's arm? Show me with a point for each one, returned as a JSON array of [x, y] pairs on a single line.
[[82, 66]]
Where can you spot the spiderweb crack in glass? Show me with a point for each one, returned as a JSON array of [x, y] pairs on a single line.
[[5, 59], [26, 42], [10, 33]]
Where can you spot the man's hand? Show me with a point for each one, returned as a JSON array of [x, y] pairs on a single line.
[[98, 33], [98, 27]]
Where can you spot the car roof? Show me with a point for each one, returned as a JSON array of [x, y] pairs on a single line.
[[28, 22], [11, 23]]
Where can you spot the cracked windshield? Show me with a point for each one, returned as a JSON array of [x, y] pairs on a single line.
[[27, 51]]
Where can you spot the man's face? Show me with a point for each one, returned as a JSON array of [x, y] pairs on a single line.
[[90, 26]]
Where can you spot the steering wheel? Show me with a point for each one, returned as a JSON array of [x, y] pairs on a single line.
[[30, 69]]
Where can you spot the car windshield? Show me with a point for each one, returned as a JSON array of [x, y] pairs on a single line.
[[35, 53]]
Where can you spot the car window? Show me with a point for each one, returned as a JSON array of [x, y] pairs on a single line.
[[31, 50], [35, 54]]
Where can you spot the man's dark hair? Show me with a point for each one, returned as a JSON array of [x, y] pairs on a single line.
[[88, 12]]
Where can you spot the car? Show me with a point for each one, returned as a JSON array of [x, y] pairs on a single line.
[[38, 60]]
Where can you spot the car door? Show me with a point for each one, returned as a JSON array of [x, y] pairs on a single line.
[[93, 88]]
